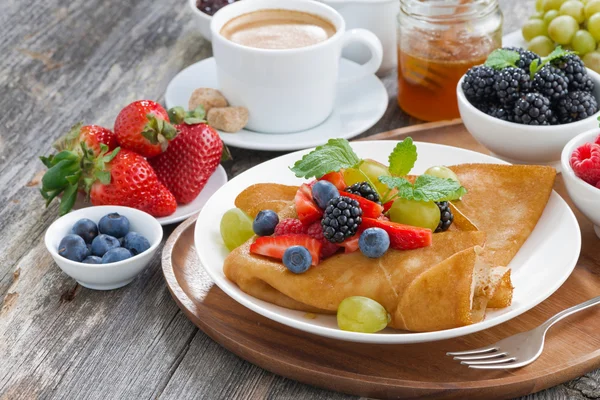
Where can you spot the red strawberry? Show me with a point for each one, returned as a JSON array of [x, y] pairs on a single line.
[[308, 212], [275, 246], [143, 126], [190, 159], [350, 245], [402, 237], [327, 248], [585, 162], [387, 206], [336, 178], [127, 179], [369, 208], [290, 226], [91, 136]]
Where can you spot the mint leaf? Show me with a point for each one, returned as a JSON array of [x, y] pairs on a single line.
[[557, 53], [332, 156], [425, 188], [501, 58], [403, 157]]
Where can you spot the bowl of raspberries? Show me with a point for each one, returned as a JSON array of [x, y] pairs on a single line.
[[580, 162], [525, 108]]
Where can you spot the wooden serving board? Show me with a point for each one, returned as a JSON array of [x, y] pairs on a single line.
[[414, 371]]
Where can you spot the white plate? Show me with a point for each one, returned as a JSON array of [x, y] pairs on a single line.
[[544, 262], [514, 39], [358, 107]]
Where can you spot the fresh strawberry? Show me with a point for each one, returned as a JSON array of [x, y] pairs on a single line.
[[92, 136], [336, 178], [308, 212], [387, 206], [585, 162], [369, 208], [275, 246], [190, 159], [290, 226], [143, 126], [350, 245], [315, 231], [402, 237]]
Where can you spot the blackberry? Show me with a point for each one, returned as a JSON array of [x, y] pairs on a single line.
[[526, 57], [534, 109], [497, 111], [574, 69], [341, 219], [446, 216], [478, 84], [576, 106], [510, 83], [363, 189], [551, 82]]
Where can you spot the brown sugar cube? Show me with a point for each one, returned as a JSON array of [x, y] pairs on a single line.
[[207, 98], [228, 119]]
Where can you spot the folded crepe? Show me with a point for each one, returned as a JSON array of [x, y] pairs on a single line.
[[447, 285]]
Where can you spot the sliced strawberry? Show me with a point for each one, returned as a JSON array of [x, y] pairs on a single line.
[[402, 237], [336, 178], [275, 246], [369, 208], [350, 245], [308, 212], [387, 206]]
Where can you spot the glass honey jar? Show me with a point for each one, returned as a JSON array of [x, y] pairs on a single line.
[[438, 41]]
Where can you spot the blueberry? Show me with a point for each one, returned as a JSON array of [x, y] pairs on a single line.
[[297, 259], [265, 222], [114, 255], [92, 260], [374, 242], [114, 224], [103, 243], [135, 243], [72, 247], [89, 249], [86, 228], [323, 191]]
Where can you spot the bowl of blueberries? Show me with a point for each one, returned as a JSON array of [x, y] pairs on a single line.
[[203, 11], [103, 247], [525, 108]]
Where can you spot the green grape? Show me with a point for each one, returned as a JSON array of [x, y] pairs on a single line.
[[593, 26], [533, 28], [537, 16], [361, 314], [552, 4], [592, 60], [539, 5], [353, 175], [573, 8], [549, 16], [424, 214], [591, 8], [442, 172], [562, 29], [541, 45], [583, 42], [236, 228], [373, 170]]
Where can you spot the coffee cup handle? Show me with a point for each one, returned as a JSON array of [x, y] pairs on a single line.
[[370, 40]]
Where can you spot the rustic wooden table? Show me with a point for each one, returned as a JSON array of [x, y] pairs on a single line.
[[65, 61]]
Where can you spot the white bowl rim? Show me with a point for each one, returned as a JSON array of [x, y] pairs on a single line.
[[534, 129], [565, 160], [196, 11], [153, 246]]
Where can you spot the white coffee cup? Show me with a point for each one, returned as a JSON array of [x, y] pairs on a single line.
[[286, 90]]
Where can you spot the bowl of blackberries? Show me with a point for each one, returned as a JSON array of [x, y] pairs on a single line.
[[525, 108], [103, 247], [204, 10]]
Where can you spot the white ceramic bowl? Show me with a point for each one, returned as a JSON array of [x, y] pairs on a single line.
[[585, 196], [523, 144], [202, 20], [105, 276]]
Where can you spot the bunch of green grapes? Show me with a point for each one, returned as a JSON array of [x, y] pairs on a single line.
[[573, 24]]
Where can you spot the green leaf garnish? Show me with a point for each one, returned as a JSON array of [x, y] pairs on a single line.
[[501, 58], [332, 156], [425, 188], [556, 54], [403, 157]]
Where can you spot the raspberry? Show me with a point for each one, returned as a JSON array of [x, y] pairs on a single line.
[[316, 232], [585, 162], [290, 226]]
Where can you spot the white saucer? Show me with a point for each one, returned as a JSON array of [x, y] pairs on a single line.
[[358, 107]]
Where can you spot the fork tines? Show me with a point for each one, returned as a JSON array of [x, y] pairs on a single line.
[[483, 358]]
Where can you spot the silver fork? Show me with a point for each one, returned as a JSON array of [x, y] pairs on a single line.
[[518, 350]]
